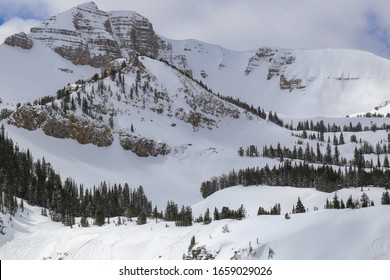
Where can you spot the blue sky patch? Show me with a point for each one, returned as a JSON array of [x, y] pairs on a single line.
[[38, 11]]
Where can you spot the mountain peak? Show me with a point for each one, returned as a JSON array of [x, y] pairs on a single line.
[[88, 36], [88, 5]]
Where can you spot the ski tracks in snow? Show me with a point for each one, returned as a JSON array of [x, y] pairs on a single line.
[[380, 248]]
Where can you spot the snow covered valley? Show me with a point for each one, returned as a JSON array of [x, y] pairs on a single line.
[[323, 234]]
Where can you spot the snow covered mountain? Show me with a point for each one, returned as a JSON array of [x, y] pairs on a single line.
[[114, 102], [317, 82], [294, 82]]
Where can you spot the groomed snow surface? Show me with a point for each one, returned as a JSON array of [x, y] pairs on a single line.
[[324, 234]]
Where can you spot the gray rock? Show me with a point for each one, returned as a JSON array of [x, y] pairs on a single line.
[[142, 146], [81, 130], [19, 40]]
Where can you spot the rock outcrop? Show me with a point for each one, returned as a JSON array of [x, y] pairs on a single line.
[[277, 62], [199, 253], [77, 128], [142, 146], [20, 40]]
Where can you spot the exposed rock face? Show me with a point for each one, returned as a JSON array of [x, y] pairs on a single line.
[[277, 62], [262, 55], [195, 119], [88, 36], [178, 60], [19, 40], [290, 84], [135, 33], [84, 131], [142, 146], [28, 118]]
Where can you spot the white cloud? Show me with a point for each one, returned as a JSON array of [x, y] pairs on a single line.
[[16, 25]]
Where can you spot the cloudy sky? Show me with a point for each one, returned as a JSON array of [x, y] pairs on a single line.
[[238, 25]]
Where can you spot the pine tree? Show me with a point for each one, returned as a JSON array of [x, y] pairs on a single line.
[[271, 253], [22, 205], [341, 139], [262, 211], [327, 204], [84, 221], [364, 200], [328, 155], [336, 202], [184, 219], [192, 243], [342, 205], [386, 162], [141, 218], [99, 216], [171, 211], [335, 140], [275, 210], [350, 203], [319, 154], [2, 227], [241, 213], [207, 218], [385, 200], [300, 208], [84, 106], [216, 215], [336, 156]]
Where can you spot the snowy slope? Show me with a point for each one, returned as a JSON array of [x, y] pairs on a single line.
[[327, 82], [323, 234], [197, 153], [26, 75]]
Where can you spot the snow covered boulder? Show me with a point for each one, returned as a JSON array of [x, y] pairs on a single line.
[[142, 146]]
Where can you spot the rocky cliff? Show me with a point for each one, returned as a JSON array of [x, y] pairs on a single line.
[[20, 40], [88, 36], [80, 129]]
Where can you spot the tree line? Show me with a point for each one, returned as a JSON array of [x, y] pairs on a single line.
[[38, 184], [300, 175]]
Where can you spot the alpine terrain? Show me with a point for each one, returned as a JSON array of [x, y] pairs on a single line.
[[119, 143]]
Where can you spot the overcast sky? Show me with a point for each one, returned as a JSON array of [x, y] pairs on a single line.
[[237, 24]]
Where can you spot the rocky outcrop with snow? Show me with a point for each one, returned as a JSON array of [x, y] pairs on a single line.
[[62, 126], [142, 146], [19, 40], [87, 35]]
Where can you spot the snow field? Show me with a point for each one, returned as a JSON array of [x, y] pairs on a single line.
[[322, 234]]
